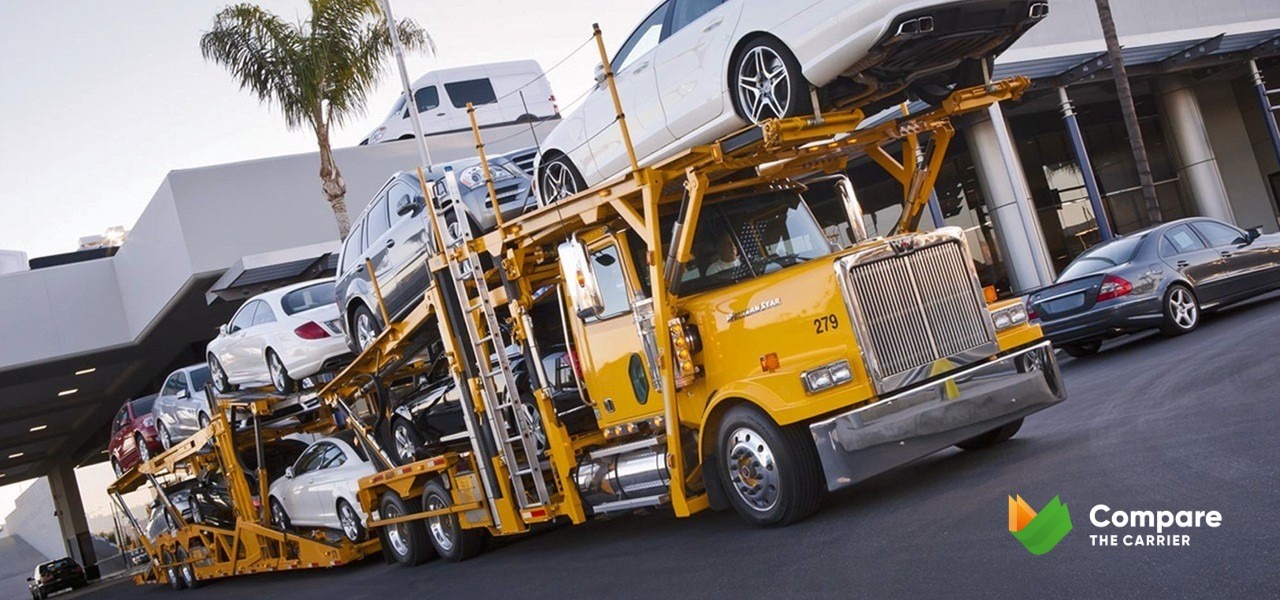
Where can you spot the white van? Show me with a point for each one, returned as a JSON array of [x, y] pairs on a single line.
[[503, 93]]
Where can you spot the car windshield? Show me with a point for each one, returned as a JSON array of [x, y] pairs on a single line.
[[55, 565], [744, 238], [142, 406], [307, 298], [1102, 257], [395, 110], [199, 377]]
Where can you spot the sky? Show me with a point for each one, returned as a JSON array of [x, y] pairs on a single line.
[[99, 100]]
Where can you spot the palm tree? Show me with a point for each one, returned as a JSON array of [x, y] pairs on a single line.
[[1129, 112], [318, 72]]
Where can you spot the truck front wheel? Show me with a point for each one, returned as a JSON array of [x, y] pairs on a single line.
[[770, 474]]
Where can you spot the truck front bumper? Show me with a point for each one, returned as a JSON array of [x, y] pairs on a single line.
[[919, 421]]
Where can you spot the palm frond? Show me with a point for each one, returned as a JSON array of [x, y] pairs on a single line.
[[262, 53]]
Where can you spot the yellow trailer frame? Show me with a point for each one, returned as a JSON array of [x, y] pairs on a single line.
[[196, 552]]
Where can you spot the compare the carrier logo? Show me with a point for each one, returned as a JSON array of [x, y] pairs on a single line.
[[1039, 533]]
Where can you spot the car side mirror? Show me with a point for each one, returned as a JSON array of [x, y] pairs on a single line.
[[579, 279], [31, 579], [222, 329], [182, 394], [406, 205], [599, 75], [1253, 233], [288, 472]]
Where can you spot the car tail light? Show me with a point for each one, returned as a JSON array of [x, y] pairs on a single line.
[[1113, 287], [311, 331]]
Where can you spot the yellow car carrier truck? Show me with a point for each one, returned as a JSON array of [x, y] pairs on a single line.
[[735, 350], [190, 550]]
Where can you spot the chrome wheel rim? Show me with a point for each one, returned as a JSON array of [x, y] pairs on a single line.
[[535, 423], [219, 376], [165, 439], [277, 515], [143, 451], [397, 534], [277, 371], [404, 446], [441, 531], [558, 182], [1183, 307], [752, 469], [350, 522], [364, 330], [764, 85]]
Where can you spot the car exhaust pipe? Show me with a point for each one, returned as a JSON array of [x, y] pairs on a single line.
[[916, 26], [1038, 10]]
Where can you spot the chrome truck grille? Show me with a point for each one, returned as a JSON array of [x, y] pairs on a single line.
[[916, 301]]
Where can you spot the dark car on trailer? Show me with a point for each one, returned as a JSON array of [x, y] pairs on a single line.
[[1162, 278]]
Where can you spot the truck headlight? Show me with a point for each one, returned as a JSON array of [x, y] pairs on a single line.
[[473, 177], [827, 376], [1009, 316]]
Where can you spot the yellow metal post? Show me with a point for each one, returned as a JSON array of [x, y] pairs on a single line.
[[484, 166], [617, 103]]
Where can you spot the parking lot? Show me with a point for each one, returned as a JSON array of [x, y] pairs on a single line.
[[1179, 424]]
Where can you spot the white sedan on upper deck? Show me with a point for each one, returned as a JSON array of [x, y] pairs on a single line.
[[697, 70], [280, 337]]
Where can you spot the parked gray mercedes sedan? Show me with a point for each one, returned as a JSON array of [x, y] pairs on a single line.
[[1163, 277]]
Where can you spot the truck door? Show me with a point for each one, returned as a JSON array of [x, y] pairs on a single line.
[[613, 365]]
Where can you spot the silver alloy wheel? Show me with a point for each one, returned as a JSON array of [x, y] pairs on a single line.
[[558, 181], [144, 451], [535, 421], [404, 445], [396, 534], [220, 380], [752, 469], [764, 85], [442, 526], [277, 370], [350, 522], [166, 440], [1184, 309], [364, 330], [277, 515]]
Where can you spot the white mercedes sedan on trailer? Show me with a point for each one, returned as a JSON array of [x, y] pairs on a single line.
[[280, 338], [319, 490], [695, 71]]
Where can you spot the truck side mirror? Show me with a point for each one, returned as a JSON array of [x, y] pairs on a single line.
[[599, 74], [579, 279], [853, 208]]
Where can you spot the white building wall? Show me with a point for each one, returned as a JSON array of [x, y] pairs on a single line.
[[13, 261], [1228, 133], [32, 520]]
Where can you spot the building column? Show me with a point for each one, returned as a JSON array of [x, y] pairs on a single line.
[[73, 523], [1008, 196], [1086, 166], [1198, 167]]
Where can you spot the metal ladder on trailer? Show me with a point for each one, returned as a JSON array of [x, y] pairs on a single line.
[[512, 425]]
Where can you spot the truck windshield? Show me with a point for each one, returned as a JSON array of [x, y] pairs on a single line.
[[744, 238]]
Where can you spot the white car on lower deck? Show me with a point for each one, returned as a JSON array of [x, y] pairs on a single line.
[[319, 490], [280, 338], [695, 71]]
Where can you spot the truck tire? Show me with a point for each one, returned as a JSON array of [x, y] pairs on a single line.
[[450, 540], [171, 572], [991, 438], [406, 542], [771, 474]]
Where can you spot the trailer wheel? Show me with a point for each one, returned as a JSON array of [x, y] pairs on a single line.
[[187, 571], [991, 438], [171, 572], [771, 474], [407, 541], [451, 541], [352, 528]]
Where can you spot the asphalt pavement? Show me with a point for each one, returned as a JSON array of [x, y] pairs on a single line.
[[1181, 424]]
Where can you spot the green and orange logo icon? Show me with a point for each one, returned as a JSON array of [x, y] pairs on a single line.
[[1039, 532]]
